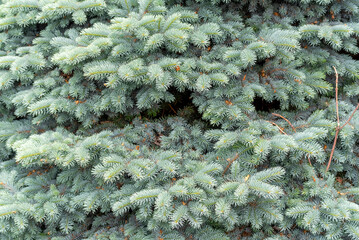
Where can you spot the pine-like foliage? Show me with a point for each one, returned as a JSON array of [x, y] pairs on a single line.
[[152, 119]]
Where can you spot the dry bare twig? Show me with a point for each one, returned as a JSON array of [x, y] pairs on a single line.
[[280, 129], [230, 163], [338, 128], [278, 115]]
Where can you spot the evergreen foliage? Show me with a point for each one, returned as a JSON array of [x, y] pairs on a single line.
[[179, 119]]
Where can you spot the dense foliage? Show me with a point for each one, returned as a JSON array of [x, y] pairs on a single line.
[[179, 119]]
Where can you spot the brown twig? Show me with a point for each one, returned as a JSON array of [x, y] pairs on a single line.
[[338, 122], [350, 118], [230, 163], [277, 127], [172, 109], [336, 96], [310, 163], [278, 115], [244, 78], [338, 128], [333, 148]]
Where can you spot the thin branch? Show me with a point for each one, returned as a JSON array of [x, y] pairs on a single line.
[[333, 148], [278, 115], [230, 163], [310, 163], [338, 128], [235, 158], [336, 96], [172, 109], [350, 118], [280, 129]]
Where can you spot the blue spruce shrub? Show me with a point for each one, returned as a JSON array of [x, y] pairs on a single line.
[[179, 119]]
